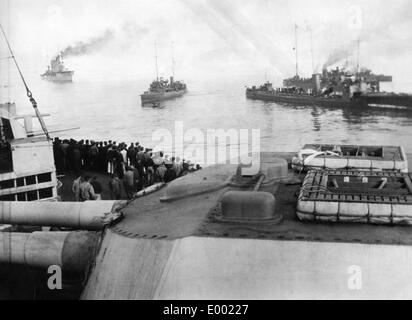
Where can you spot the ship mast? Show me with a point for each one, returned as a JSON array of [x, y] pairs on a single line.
[[28, 92], [157, 69], [311, 49], [357, 65], [173, 60], [296, 49]]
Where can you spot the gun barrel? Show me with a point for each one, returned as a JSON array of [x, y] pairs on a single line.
[[72, 251], [88, 215]]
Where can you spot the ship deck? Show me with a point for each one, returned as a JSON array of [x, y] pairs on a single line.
[[148, 218], [149, 97], [369, 103], [303, 99], [177, 250]]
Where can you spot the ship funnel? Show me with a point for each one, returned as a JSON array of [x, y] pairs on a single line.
[[325, 72], [316, 82]]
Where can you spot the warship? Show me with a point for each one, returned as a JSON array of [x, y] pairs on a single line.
[[57, 72], [224, 233], [292, 225], [340, 87], [163, 89], [334, 88]]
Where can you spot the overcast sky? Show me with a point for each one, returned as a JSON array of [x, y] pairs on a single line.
[[212, 38]]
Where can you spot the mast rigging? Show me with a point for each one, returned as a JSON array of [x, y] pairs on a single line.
[[28, 92], [296, 49]]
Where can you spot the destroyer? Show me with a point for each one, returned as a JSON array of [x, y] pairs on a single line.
[[344, 87], [333, 88], [163, 89], [57, 72]]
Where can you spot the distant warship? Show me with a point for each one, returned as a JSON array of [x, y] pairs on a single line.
[[56, 71], [333, 88], [161, 89]]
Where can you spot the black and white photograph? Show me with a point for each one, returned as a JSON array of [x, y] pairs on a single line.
[[205, 150]]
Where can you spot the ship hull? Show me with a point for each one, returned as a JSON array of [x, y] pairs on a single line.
[[403, 101], [161, 96], [304, 100], [66, 76], [384, 102]]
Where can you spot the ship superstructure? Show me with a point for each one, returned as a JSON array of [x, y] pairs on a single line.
[[337, 82], [56, 71], [20, 179]]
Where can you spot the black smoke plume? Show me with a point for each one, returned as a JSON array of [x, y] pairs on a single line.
[[336, 56], [341, 54], [90, 46]]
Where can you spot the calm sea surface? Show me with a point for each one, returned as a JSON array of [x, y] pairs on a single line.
[[112, 110]]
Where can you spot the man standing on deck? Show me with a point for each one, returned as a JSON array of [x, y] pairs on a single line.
[[76, 188], [140, 168], [136, 179], [150, 169], [131, 155], [123, 152], [85, 154], [57, 155], [76, 156], [160, 172], [119, 165], [64, 148], [115, 188], [94, 155], [110, 154], [86, 190], [140, 155], [170, 173], [102, 166], [97, 188], [185, 166], [128, 180], [177, 166]]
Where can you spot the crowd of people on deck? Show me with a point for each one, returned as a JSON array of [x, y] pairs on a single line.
[[131, 167]]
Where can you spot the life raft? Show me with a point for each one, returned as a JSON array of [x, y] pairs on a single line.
[[367, 158], [355, 196]]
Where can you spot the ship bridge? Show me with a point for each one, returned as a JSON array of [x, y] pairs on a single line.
[[20, 180]]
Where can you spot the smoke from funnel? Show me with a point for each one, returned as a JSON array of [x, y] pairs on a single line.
[[336, 56], [90, 46], [339, 55]]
